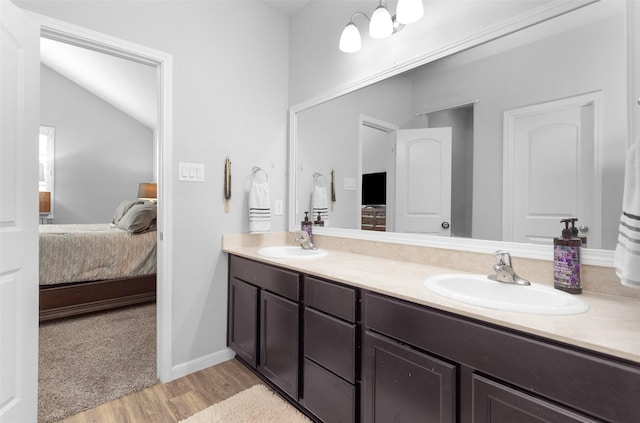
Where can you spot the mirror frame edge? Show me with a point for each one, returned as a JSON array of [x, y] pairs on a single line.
[[596, 257]]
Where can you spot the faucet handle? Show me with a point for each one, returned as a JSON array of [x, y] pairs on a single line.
[[503, 258]]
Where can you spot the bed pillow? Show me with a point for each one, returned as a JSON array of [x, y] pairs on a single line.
[[140, 218], [123, 208]]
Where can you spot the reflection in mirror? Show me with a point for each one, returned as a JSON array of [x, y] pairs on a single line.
[[571, 70]]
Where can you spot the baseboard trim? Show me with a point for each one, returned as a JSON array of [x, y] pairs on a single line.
[[202, 363]]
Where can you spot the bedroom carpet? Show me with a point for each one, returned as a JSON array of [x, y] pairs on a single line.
[[89, 360], [257, 404]]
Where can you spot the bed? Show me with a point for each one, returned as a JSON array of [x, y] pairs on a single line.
[[91, 267]]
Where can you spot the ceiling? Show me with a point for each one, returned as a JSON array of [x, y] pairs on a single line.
[[288, 7], [126, 85], [129, 86]]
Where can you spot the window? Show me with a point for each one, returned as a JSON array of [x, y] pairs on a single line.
[[45, 180]]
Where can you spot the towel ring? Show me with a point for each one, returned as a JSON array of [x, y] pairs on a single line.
[[316, 178], [255, 171]]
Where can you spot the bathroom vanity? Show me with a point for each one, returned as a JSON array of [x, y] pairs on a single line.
[[345, 340]]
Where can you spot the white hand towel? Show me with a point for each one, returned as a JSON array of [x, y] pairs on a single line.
[[259, 208], [320, 203], [627, 255]]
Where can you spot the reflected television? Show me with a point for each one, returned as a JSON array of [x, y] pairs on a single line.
[[374, 189]]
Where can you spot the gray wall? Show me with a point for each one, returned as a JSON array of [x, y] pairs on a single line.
[[230, 98], [101, 154]]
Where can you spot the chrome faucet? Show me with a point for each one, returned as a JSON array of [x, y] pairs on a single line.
[[504, 270], [305, 241]]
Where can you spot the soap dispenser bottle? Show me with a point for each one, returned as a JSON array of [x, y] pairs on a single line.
[[566, 260], [306, 225], [319, 222]]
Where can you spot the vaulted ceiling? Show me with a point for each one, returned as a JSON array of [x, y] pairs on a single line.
[[129, 86]]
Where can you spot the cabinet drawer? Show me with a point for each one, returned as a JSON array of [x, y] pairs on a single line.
[[331, 298], [279, 281], [327, 396], [331, 343], [590, 383], [368, 220]]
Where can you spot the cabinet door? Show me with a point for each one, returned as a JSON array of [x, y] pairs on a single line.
[[279, 348], [497, 403], [243, 320], [400, 384]]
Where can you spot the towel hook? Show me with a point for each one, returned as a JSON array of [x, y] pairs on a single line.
[[256, 170]]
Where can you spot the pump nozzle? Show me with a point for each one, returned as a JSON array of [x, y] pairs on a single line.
[[566, 232], [574, 230]]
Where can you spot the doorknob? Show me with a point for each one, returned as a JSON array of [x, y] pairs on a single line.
[[445, 225], [583, 228]]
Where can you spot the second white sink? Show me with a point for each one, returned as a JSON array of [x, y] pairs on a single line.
[[290, 252], [481, 291]]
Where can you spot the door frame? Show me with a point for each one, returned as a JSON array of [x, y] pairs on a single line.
[[381, 125], [508, 164], [72, 34]]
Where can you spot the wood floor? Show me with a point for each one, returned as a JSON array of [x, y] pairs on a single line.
[[173, 401]]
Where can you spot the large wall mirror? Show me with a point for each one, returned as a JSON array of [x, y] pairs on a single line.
[[538, 132]]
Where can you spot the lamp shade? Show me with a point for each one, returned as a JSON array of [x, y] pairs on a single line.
[[350, 41], [381, 25], [45, 202], [148, 191], [409, 11]]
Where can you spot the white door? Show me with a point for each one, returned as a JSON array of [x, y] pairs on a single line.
[[19, 115], [553, 174], [423, 181]]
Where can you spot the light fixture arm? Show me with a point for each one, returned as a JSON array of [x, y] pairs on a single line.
[[359, 13]]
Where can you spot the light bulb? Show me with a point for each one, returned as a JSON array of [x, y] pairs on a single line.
[[350, 39], [381, 25], [409, 11]]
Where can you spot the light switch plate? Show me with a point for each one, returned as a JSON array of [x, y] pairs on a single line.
[[191, 172], [278, 208], [349, 184]]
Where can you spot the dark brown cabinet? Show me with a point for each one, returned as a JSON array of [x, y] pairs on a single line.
[[401, 384], [243, 320], [331, 351], [505, 376], [264, 321], [279, 322], [494, 402], [343, 354]]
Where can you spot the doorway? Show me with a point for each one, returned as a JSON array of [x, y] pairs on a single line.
[[163, 62]]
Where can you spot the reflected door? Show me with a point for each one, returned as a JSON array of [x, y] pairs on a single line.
[[19, 85], [423, 181], [553, 174]]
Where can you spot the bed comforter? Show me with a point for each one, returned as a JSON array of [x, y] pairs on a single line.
[[90, 252]]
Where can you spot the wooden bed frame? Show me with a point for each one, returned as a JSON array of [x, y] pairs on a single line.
[[71, 299]]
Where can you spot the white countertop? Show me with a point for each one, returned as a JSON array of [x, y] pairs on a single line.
[[611, 326]]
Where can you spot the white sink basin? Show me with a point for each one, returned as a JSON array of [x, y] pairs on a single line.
[[290, 252], [480, 291]]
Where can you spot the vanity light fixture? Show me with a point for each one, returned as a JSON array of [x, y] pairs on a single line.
[[381, 24]]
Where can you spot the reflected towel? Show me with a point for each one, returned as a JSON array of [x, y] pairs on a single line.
[[259, 208], [627, 255], [320, 202]]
